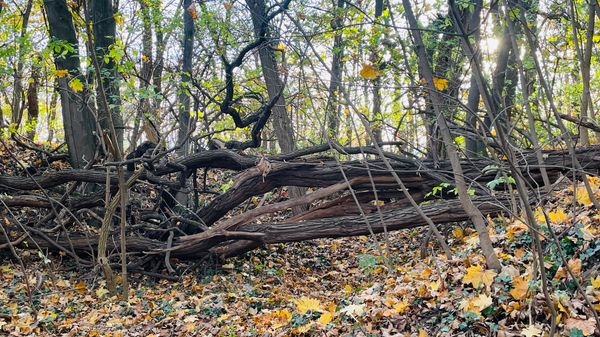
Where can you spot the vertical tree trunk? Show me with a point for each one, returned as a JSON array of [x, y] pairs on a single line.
[[474, 146], [32, 104], [282, 124], [332, 108], [376, 113], [186, 72], [158, 67], [51, 116], [145, 114], [104, 27], [17, 99], [78, 119], [585, 57]]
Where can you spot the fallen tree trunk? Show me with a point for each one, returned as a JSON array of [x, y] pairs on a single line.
[[417, 176], [234, 239]]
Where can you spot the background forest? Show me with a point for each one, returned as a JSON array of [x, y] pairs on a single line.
[[196, 141]]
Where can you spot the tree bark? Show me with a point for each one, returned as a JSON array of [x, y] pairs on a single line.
[[17, 99], [282, 123], [78, 119], [332, 109], [33, 109], [104, 27], [474, 146], [186, 73]]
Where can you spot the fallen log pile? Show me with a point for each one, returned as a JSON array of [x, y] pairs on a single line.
[[41, 212]]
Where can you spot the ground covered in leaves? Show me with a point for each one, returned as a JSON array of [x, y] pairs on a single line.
[[376, 286]]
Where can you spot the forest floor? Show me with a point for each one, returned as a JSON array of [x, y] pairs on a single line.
[[364, 286]]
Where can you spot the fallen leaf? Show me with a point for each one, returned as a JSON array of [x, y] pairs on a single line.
[[520, 287], [306, 304], [531, 331], [477, 276], [587, 327], [354, 310], [574, 266], [595, 282], [558, 217], [325, 318]]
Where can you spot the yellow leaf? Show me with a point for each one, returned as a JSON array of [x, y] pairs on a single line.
[[582, 197], [423, 333], [595, 282], [348, 289], [325, 318], [558, 217], [378, 203], [458, 233], [76, 85], [100, 292], [281, 46], [62, 284], [539, 216], [81, 287], [61, 73], [303, 328], [369, 72], [425, 273], [482, 301], [280, 318], [477, 276], [119, 19], [305, 304], [476, 304], [440, 83], [401, 307], [517, 228], [520, 287]]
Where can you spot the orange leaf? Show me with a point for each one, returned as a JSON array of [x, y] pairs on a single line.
[[193, 12], [369, 72]]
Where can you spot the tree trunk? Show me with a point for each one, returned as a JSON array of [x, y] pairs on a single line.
[[158, 68], [17, 99], [474, 146], [186, 73], [78, 119], [51, 117], [145, 117], [377, 118], [332, 108], [104, 27], [33, 109], [282, 124]]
